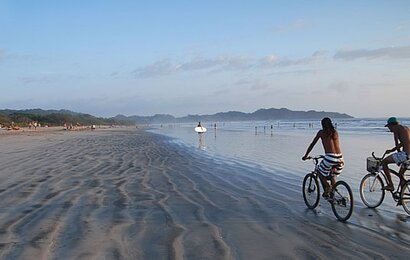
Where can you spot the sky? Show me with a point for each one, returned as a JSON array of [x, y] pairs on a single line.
[[202, 57]]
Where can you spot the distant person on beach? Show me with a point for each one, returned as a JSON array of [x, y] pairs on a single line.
[[333, 160], [401, 135]]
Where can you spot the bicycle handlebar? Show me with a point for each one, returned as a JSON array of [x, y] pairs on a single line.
[[379, 158], [315, 158]]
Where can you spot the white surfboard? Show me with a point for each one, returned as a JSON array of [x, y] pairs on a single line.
[[200, 129]]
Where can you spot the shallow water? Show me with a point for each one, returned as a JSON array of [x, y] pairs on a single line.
[[278, 147]]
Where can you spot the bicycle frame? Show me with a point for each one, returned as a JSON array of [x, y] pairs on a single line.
[[316, 172], [381, 172], [330, 178]]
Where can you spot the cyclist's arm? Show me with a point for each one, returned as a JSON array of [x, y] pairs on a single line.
[[396, 142], [397, 148], [318, 135]]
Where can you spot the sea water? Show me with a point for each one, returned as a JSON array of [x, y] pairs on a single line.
[[278, 146]]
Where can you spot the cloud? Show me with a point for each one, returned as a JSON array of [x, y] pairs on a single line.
[[5, 55], [274, 61], [404, 26], [388, 52], [48, 77], [295, 72], [268, 61], [297, 25], [260, 86], [162, 67], [223, 63], [237, 62], [319, 53], [200, 63], [340, 87], [167, 67], [248, 84], [35, 80], [220, 92]]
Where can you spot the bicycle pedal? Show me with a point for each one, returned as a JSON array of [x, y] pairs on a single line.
[[342, 202]]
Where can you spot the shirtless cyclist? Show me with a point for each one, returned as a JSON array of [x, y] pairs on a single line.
[[333, 155], [401, 135]]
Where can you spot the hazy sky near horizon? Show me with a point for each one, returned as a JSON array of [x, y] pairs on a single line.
[[201, 57]]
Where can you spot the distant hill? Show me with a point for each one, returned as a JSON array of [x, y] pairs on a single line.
[[261, 114], [59, 117], [55, 118]]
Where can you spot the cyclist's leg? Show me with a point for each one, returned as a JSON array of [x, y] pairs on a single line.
[[386, 161], [400, 174], [325, 184], [403, 169], [333, 179], [324, 171]]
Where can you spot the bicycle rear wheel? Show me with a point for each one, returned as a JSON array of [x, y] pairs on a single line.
[[342, 201], [311, 191], [371, 191], [405, 197]]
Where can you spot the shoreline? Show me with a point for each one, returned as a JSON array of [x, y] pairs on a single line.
[[127, 193]]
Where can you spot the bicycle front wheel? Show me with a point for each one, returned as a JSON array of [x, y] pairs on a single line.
[[405, 197], [371, 191], [311, 191], [342, 201]]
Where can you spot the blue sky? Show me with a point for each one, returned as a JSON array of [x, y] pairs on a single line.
[[201, 57]]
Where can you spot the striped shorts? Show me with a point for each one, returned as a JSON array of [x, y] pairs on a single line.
[[330, 161]]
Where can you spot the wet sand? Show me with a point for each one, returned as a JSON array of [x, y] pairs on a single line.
[[129, 194]]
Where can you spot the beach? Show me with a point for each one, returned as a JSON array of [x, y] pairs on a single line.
[[125, 193]]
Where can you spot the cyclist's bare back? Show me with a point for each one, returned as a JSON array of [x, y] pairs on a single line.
[[330, 142], [402, 137]]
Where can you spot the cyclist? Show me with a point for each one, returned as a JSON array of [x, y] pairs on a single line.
[[402, 140], [333, 160]]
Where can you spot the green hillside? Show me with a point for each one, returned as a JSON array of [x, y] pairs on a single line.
[[22, 118]]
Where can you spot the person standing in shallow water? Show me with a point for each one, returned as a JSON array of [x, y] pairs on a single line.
[[333, 160]]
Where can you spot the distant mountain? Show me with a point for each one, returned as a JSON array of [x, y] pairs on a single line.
[[59, 117], [261, 114]]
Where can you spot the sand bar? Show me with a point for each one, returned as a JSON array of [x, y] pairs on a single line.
[[129, 194]]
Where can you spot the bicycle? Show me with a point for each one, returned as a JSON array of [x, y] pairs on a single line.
[[371, 186], [340, 197]]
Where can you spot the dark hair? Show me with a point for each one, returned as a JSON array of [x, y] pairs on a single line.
[[328, 127]]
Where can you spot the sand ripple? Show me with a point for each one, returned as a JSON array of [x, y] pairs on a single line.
[[133, 195]]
